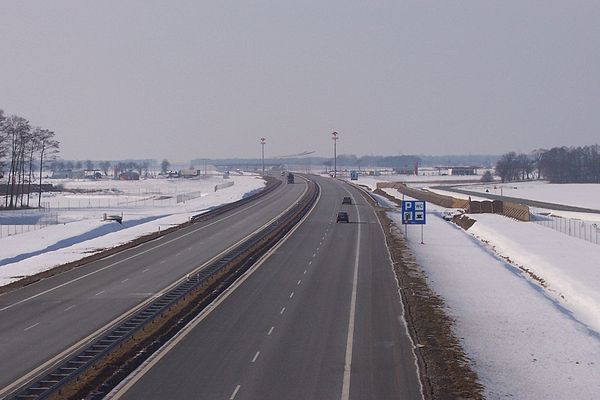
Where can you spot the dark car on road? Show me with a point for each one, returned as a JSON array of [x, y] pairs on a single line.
[[342, 217], [347, 200]]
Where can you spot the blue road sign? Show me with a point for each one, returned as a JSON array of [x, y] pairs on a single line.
[[413, 212]]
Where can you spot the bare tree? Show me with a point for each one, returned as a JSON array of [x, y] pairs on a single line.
[[17, 130], [3, 141], [164, 166], [104, 166], [48, 147]]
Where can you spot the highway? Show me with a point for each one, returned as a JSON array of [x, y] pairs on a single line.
[[319, 317], [42, 322]]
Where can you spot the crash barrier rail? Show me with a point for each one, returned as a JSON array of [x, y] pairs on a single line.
[[94, 370], [272, 184], [223, 185], [182, 198], [506, 208]]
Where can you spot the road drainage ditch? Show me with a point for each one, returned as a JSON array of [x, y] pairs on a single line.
[[95, 370]]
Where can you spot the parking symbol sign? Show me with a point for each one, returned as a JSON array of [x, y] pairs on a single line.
[[413, 212]]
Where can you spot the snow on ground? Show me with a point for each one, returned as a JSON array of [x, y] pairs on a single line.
[[569, 267], [82, 232], [526, 340], [411, 180], [575, 194]]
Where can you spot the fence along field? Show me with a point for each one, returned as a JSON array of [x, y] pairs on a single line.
[[584, 230]]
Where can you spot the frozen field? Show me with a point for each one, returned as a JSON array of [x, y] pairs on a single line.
[[146, 206], [576, 194], [412, 180]]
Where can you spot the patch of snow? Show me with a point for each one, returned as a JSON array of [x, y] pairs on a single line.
[[82, 231]]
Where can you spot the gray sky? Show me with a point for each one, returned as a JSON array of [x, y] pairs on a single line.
[[186, 79]]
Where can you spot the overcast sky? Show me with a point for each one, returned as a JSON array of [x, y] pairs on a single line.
[[187, 79]]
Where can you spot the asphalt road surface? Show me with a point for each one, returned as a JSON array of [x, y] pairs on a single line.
[[41, 321], [320, 318]]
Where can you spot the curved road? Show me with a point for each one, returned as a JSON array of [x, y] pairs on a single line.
[[42, 321], [320, 318]]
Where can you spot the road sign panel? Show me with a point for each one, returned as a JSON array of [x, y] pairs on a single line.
[[413, 212]]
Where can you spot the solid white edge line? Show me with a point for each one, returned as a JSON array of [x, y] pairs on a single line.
[[139, 372]]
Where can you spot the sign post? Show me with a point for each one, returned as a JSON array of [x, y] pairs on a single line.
[[413, 213]]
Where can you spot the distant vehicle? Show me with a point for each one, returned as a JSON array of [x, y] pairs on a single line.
[[342, 217], [354, 175], [347, 200], [282, 173], [290, 178]]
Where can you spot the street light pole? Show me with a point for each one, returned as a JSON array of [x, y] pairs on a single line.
[[262, 143], [335, 138]]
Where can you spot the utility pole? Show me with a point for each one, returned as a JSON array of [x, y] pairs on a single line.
[[262, 143], [335, 138]]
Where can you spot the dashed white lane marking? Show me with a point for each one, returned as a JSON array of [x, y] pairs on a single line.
[[270, 331], [178, 254], [282, 310], [163, 261], [320, 243], [299, 282], [69, 308], [291, 295], [235, 392], [255, 357], [30, 327], [124, 280], [310, 262], [146, 270], [99, 293], [305, 272], [314, 254], [318, 248]]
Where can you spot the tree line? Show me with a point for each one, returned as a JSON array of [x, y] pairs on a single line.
[[557, 165], [23, 151]]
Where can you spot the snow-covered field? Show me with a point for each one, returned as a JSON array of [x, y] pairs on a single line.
[[411, 180], [575, 194], [525, 298], [146, 205]]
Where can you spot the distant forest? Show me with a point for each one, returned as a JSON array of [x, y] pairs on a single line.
[[557, 165]]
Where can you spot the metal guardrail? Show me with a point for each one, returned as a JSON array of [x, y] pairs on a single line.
[[95, 369], [272, 184]]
